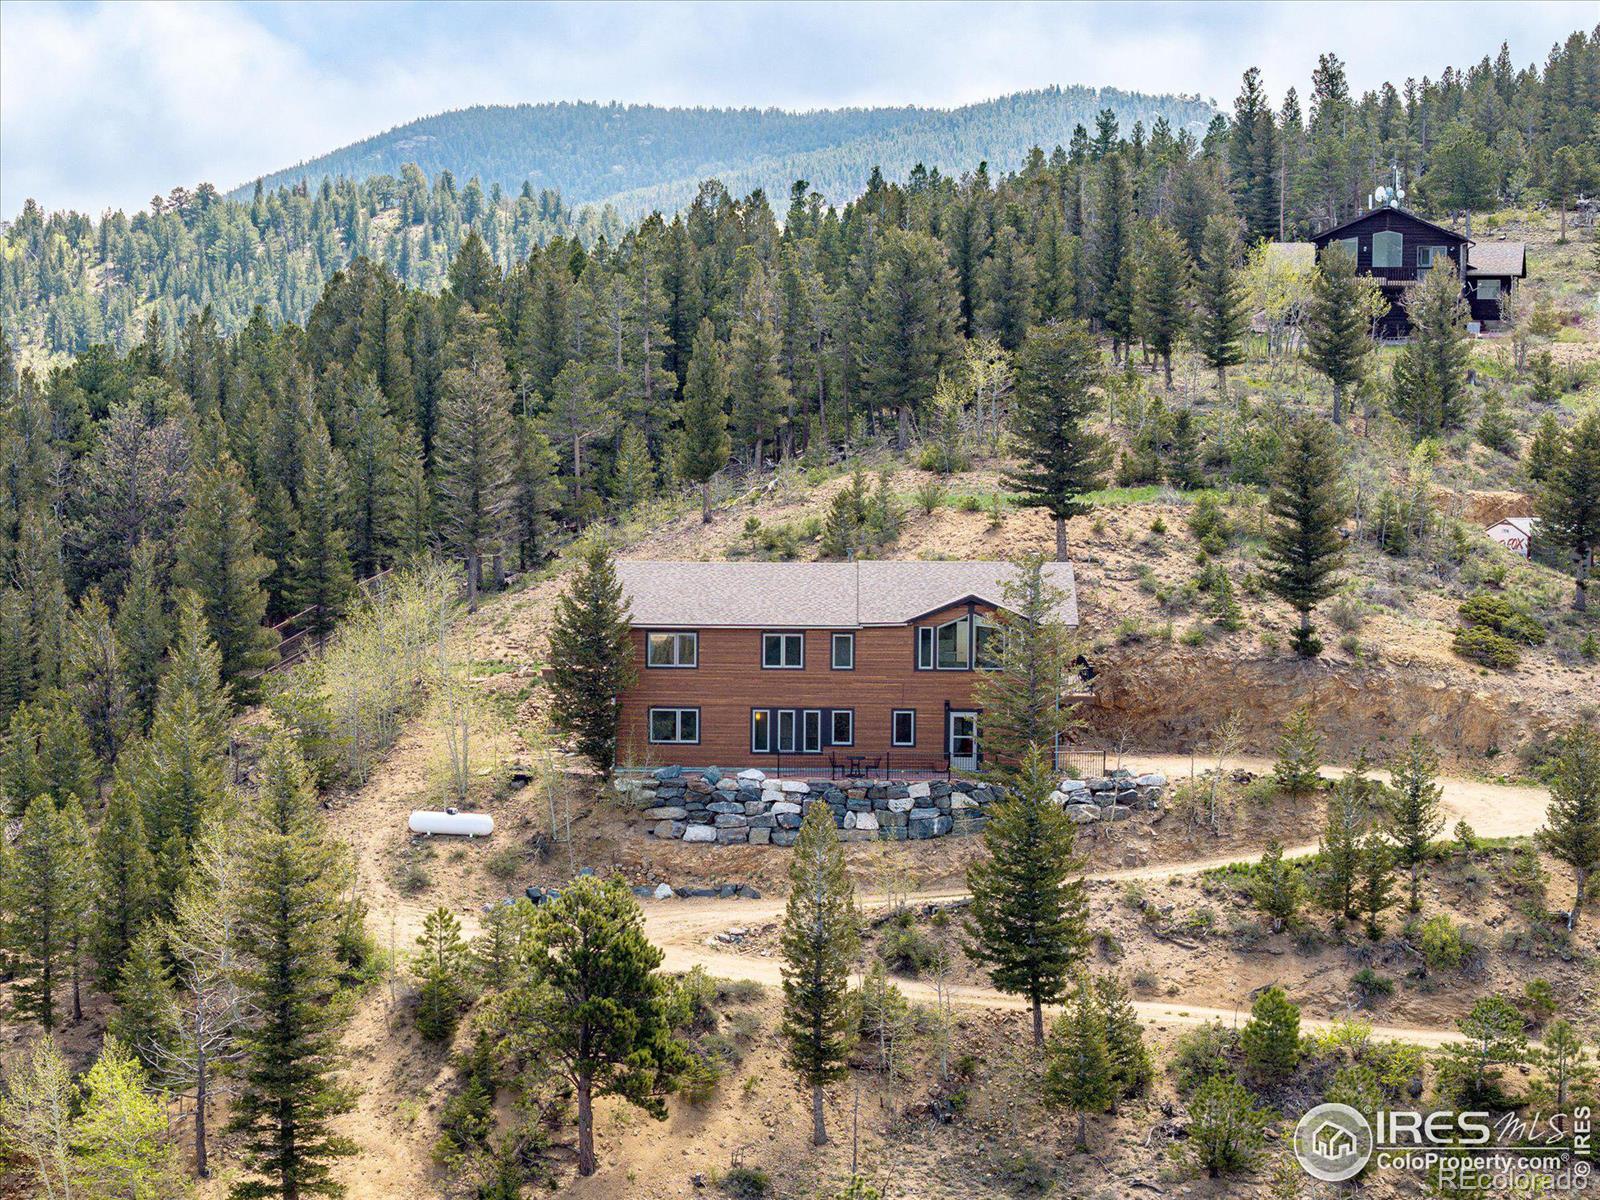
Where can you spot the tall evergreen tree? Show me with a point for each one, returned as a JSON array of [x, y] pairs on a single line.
[[759, 392], [125, 883], [1297, 771], [375, 483], [1028, 924], [579, 412], [1078, 1072], [144, 631], [1414, 816], [1062, 456], [472, 449], [591, 1005], [820, 938], [1337, 340], [591, 652], [1339, 849], [1222, 316], [217, 560], [1429, 388], [1571, 832], [1162, 293], [536, 491], [44, 909], [1253, 158], [910, 331], [289, 916], [1021, 698], [323, 581], [1569, 501], [1303, 549], [1271, 1037], [95, 679], [706, 447]]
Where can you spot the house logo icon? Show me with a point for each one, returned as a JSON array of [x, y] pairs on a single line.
[[1333, 1142]]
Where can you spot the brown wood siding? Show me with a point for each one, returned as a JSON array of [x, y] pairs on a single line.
[[730, 681], [1414, 233]]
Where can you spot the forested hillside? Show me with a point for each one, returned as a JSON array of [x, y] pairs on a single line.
[[639, 157], [1473, 137]]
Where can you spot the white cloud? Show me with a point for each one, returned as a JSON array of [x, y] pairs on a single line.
[[107, 104]]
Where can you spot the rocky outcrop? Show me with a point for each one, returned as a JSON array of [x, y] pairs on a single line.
[[707, 806]]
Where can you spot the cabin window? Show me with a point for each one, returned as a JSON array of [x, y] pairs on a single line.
[[903, 727], [951, 638], [1388, 249], [783, 651], [1425, 256], [672, 650], [844, 652], [761, 731], [1488, 289], [925, 648], [675, 725], [1351, 246], [842, 727], [788, 729], [811, 731], [990, 643]]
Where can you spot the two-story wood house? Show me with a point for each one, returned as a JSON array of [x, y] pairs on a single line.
[[1399, 248], [814, 667]]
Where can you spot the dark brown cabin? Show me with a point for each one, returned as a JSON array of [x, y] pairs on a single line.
[[1399, 249], [814, 668]]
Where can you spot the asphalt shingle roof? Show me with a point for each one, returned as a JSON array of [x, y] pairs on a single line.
[[816, 595], [1497, 258]]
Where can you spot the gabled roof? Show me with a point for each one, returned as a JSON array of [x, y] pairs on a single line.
[[1373, 212], [768, 595], [1509, 259]]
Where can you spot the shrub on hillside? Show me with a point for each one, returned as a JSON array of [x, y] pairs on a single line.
[[1484, 646], [1503, 616]]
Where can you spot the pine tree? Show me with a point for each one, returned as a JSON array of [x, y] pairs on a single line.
[[1270, 1039], [43, 907], [125, 874], [590, 1005], [323, 581], [1006, 283], [1131, 1068], [375, 475], [579, 412], [440, 965], [911, 327], [1253, 158], [93, 671], [591, 652], [144, 632], [1276, 887], [1566, 1061], [1339, 850], [495, 951], [1222, 314], [1028, 924], [1297, 771], [472, 450], [1161, 293], [1183, 467], [474, 277], [47, 754], [1063, 458], [1303, 549], [1079, 1075], [633, 475], [1495, 428], [1021, 697], [194, 668], [280, 530], [289, 914], [1225, 1127], [1544, 449], [1571, 833], [758, 391], [820, 938], [147, 1016], [1429, 386], [1337, 341], [537, 495], [706, 447], [1413, 812], [217, 560], [1376, 882], [1569, 501], [1107, 244]]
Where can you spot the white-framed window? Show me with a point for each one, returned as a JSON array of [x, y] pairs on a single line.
[[844, 652], [1388, 249], [1351, 246], [903, 727], [925, 648], [761, 731], [989, 636], [951, 641], [842, 727], [666, 648], [1488, 289], [783, 651], [788, 730], [811, 731], [1425, 257], [675, 725]]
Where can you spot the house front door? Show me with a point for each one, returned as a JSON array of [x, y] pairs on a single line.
[[963, 741]]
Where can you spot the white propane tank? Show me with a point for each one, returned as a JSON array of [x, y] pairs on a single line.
[[461, 824]]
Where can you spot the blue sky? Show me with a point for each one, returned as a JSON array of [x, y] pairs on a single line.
[[106, 104]]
